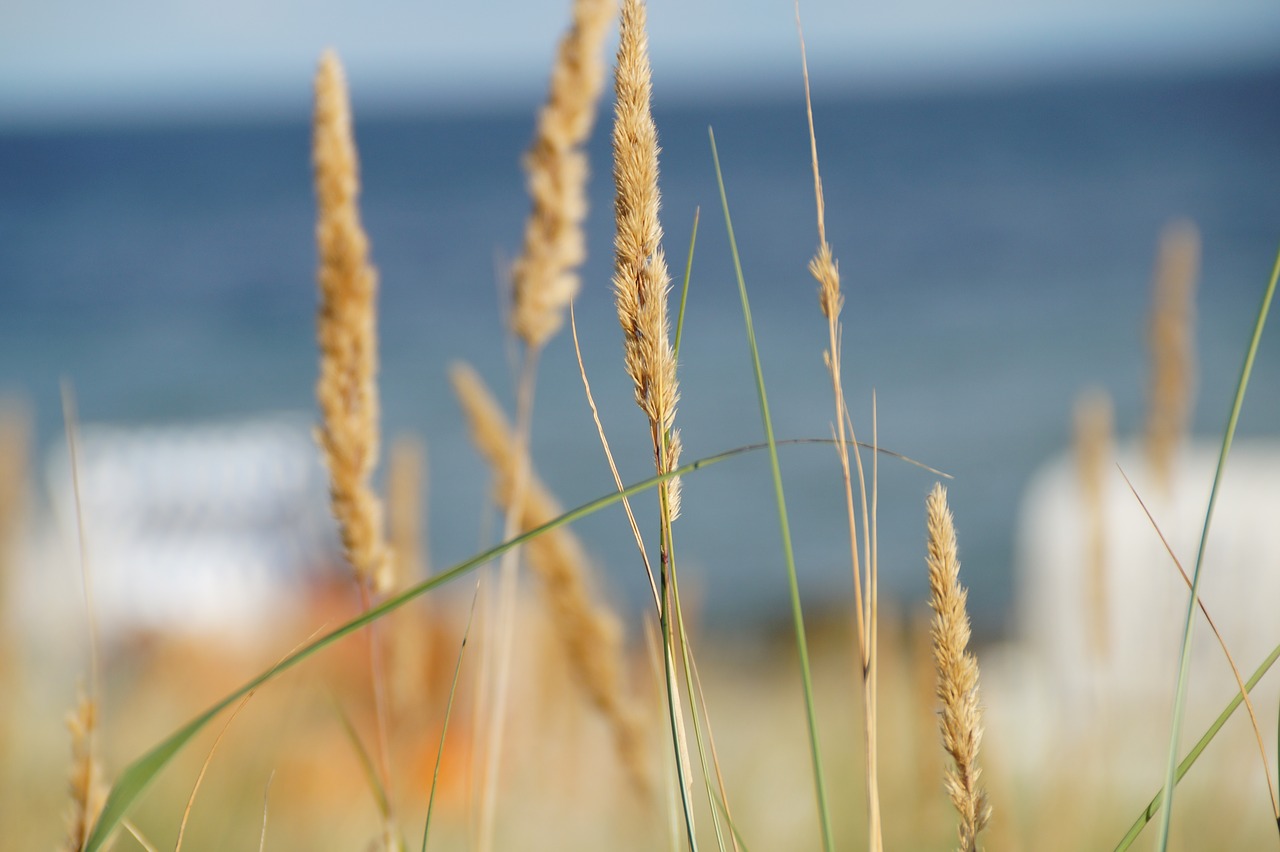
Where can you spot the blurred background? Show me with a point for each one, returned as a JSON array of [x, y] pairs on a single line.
[[997, 175]]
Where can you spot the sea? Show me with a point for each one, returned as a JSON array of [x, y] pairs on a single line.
[[996, 247]]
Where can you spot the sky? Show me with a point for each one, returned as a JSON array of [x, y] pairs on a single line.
[[63, 59]]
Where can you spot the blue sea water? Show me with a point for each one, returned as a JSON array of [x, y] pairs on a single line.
[[996, 249]]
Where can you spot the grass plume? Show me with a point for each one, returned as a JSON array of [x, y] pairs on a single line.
[[640, 279], [544, 276], [826, 271], [641, 286], [590, 632], [347, 390], [961, 719], [87, 785]]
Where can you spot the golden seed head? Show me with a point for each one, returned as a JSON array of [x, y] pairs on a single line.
[[545, 277], [346, 331], [641, 281], [957, 670], [590, 631], [824, 268]]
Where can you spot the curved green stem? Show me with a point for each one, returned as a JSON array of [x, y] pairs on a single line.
[[797, 612]]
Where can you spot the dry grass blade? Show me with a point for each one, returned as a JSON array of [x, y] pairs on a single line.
[[545, 276], [613, 467], [701, 697], [204, 768], [347, 390], [266, 801], [137, 835], [1222, 643], [409, 643], [957, 669], [15, 450], [825, 270]]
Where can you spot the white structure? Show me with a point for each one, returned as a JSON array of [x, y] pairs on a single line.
[[204, 528], [1105, 653]]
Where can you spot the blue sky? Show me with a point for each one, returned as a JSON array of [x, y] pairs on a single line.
[[68, 58]]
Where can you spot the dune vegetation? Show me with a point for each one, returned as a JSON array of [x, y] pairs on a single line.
[[518, 711]]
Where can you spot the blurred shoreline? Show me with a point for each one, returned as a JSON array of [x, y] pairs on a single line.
[[997, 246]]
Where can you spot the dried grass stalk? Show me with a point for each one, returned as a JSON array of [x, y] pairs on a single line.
[[15, 449], [87, 786], [957, 669], [824, 268], [406, 481], [590, 632], [347, 333], [410, 642], [545, 276], [1171, 338], [1094, 427], [640, 279]]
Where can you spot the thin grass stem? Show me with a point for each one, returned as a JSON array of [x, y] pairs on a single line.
[[684, 288], [1235, 671], [1153, 807], [1184, 664], [448, 712], [797, 613], [137, 778]]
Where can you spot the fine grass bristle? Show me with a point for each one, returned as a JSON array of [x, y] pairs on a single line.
[[824, 268], [545, 276], [347, 390], [957, 670], [641, 281], [1094, 427], [589, 630], [1171, 338]]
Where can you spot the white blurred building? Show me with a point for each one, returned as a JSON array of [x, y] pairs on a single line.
[[1091, 659], [211, 528]]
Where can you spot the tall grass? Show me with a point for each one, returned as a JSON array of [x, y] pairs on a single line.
[[589, 633]]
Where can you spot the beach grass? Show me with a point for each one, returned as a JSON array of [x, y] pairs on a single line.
[[556, 732]]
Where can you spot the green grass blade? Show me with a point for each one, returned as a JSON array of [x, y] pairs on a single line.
[[139, 775], [366, 763], [1149, 812], [448, 711], [1184, 664], [797, 613], [684, 289]]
